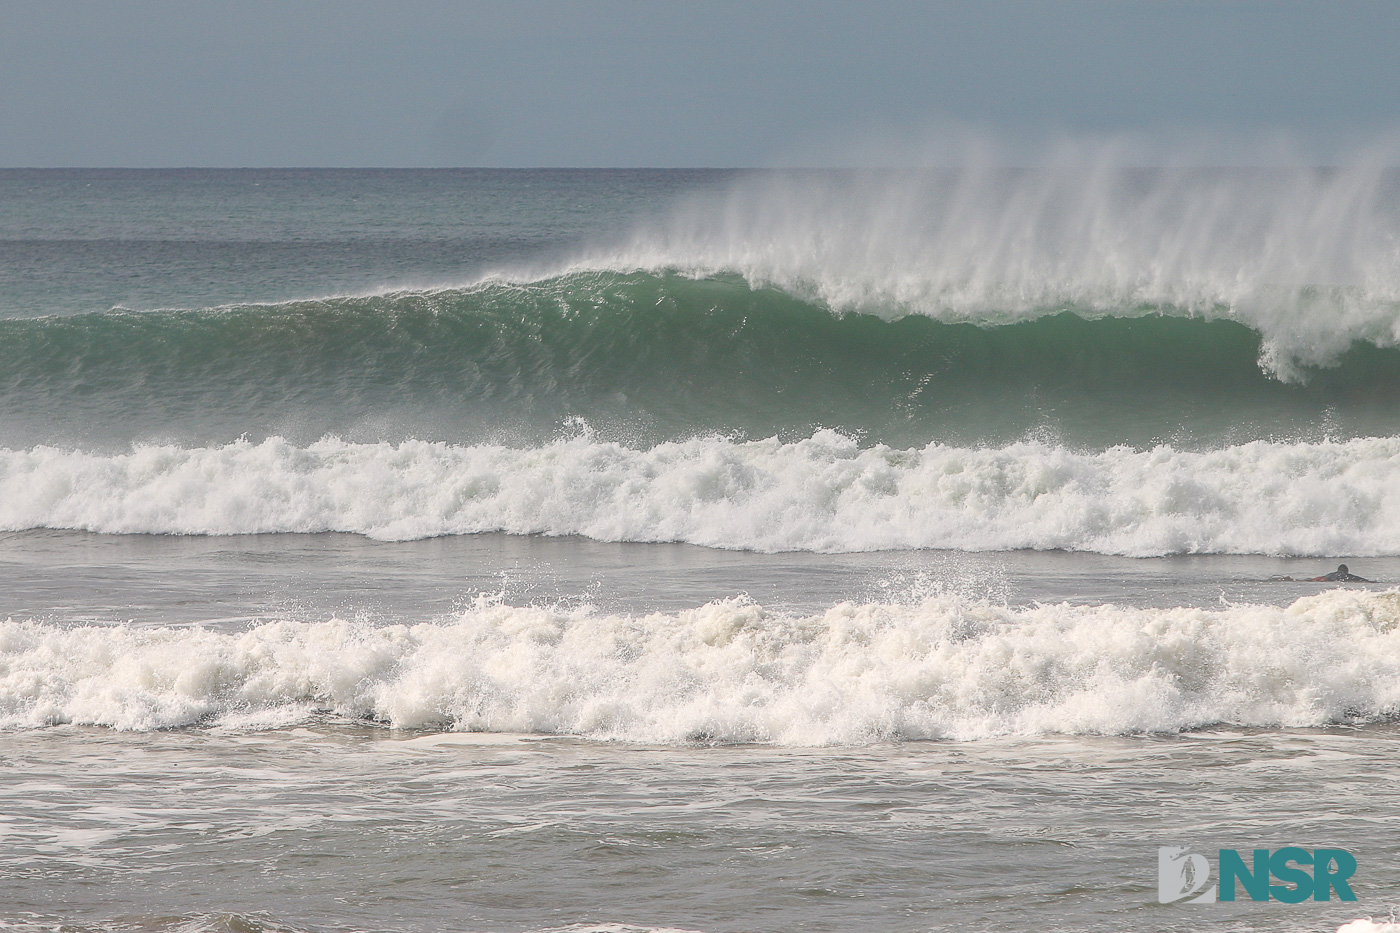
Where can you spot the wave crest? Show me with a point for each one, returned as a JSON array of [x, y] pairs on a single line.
[[1308, 258]]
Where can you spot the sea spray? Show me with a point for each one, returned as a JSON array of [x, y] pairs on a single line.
[[1310, 258]]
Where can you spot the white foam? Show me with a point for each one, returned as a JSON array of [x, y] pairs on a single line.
[[733, 672], [824, 493], [1369, 926]]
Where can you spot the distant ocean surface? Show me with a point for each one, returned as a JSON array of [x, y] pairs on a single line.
[[497, 550]]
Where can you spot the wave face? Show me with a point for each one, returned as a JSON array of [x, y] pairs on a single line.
[[647, 357], [824, 493], [731, 672]]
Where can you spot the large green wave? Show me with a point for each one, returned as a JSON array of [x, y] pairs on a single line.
[[650, 356]]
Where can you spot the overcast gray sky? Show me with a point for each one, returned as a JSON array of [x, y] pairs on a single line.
[[608, 83]]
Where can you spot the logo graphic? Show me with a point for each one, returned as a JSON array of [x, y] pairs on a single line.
[[1181, 874]]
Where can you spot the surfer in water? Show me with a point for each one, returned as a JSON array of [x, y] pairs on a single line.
[[1340, 575]]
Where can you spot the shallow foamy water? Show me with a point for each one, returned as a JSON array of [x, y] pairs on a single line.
[[338, 827]]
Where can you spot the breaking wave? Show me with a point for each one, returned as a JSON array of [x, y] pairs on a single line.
[[732, 672], [1309, 259], [823, 493]]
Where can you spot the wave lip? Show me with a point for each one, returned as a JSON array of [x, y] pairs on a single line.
[[824, 493], [732, 672]]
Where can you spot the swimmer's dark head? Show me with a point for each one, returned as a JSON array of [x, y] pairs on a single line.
[[1342, 568]]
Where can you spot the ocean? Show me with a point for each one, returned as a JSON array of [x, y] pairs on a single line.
[[627, 551]]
